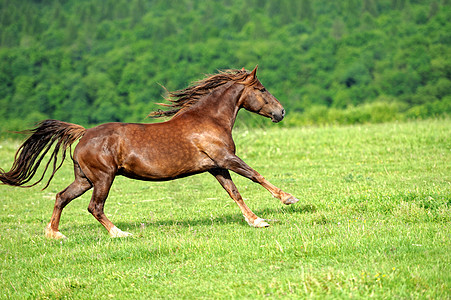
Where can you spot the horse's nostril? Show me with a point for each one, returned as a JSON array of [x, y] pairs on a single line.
[[283, 112]]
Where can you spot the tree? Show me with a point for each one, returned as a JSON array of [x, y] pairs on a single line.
[[370, 6]]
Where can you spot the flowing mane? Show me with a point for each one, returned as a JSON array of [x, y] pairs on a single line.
[[182, 99]]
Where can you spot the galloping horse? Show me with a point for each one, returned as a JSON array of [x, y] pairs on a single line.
[[198, 138]]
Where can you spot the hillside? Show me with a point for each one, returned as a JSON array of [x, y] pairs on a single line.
[[327, 61]]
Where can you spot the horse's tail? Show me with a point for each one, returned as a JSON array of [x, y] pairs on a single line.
[[30, 154]]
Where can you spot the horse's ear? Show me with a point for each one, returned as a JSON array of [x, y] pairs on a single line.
[[251, 77], [254, 72]]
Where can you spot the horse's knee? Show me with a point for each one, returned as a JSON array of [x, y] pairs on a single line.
[[59, 201], [91, 209], [95, 209]]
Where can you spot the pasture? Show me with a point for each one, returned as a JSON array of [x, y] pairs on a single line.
[[373, 220]]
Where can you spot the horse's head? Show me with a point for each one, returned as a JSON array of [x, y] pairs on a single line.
[[257, 99]]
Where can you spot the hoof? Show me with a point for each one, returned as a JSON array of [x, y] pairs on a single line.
[[51, 234], [116, 232], [290, 200], [258, 223]]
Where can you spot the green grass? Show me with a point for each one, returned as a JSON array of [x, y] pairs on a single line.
[[374, 220]]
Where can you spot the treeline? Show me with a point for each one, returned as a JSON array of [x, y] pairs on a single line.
[[94, 61]]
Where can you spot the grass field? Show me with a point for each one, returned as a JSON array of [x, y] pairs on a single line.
[[373, 220]]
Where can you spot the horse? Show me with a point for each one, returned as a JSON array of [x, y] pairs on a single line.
[[196, 138]]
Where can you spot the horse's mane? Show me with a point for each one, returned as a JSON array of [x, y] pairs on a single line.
[[182, 99]]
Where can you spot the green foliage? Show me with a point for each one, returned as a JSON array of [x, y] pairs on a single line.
[[373, 221], [102, 60]]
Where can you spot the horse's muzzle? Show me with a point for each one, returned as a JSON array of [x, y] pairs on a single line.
[[277, 117]]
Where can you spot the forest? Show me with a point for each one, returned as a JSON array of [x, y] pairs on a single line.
[[328, 62]]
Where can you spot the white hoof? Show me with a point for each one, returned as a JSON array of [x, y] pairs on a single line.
[[258, 223], [116, 232], [290, 200], [51, 234]]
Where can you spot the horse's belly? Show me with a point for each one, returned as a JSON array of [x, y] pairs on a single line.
[[165, 169]]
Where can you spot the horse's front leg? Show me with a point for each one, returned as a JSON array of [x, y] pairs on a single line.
[[237, 165], [223, 176]]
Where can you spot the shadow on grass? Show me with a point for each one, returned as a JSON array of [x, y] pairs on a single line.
[[223, 219], [134, 225]]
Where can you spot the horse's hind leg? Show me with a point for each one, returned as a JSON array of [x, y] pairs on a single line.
[[74, 190], [235, 164], [99, 195], [223, 176]]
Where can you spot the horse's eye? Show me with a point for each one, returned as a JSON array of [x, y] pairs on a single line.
[[263, 90]]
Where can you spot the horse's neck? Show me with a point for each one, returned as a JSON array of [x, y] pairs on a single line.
[[221, 105], [224, 104]]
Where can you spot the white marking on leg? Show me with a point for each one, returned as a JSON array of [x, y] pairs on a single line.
[[116, 232], [51, 234], [259, 222], [289, 200]]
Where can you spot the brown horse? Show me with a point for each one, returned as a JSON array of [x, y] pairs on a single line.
[[198, 138]]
